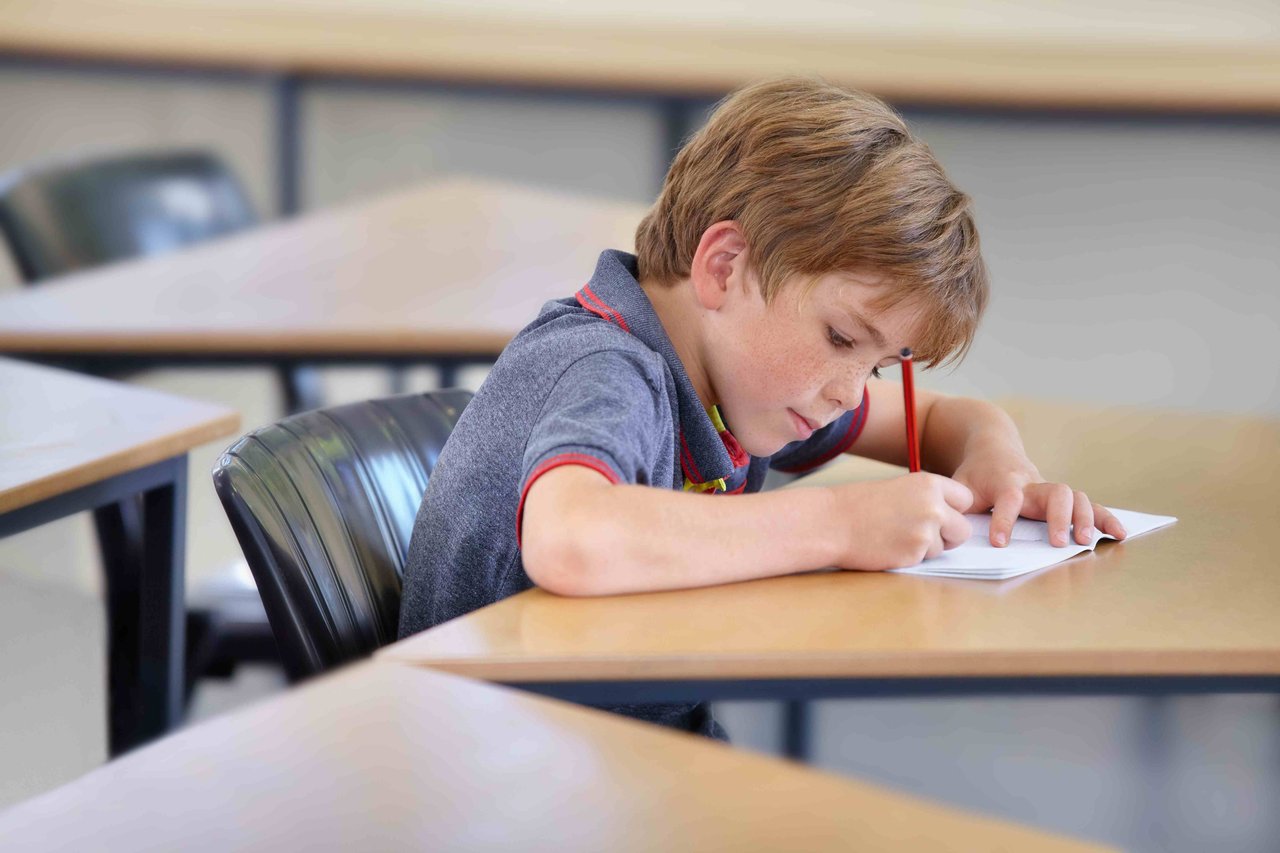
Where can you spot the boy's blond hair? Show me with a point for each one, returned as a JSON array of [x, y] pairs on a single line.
[[823, 179]]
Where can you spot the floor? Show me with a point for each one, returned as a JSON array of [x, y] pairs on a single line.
[[1187, 773]]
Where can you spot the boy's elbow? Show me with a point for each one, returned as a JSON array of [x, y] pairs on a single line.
[[562, 563], [569, 546]]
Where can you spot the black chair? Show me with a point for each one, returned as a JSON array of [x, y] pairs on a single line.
[[323, 504], [79, 214], [75, 214]]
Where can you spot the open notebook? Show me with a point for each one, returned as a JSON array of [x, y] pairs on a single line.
[[1028, 548]]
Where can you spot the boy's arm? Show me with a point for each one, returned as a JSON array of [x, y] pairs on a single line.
[[945, 431], [582, 535], [977, 443]]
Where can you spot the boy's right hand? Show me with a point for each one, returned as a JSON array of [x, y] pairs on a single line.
[[892, 524]]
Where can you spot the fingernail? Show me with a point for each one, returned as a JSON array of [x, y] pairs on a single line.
[[1088, 533], [1001, 539], [1059, 539]]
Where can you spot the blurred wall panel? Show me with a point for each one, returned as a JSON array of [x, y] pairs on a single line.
[[360, 141], [1132, 261]]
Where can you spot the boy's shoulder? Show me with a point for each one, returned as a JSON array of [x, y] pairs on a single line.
[[564, 333]]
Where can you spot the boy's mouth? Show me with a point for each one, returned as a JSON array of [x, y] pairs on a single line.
[[804, 426]]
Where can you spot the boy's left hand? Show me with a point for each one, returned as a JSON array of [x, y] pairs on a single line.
[[1004, 481]]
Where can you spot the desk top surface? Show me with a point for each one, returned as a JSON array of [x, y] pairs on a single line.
[[456, 267], [1200, 597], [390, 757], [1090, 53], [60, 431]]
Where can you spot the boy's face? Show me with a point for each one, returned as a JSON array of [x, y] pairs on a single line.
[[784, 370]]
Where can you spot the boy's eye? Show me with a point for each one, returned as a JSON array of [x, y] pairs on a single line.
[[839, 340]]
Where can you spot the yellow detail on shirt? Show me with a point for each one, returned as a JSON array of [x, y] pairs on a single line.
[[716, 420], [717, 485]]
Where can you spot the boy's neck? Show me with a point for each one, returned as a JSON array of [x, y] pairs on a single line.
[[678, 310]]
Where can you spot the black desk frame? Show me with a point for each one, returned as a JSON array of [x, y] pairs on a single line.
[[796, 693]]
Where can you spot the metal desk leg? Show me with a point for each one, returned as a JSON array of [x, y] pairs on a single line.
[[163, 611], [795, 731], [120, 539], [143, 544], [448, 373], [286, 91]]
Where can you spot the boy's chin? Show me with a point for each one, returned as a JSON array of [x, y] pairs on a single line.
[[761, 442], [762, 447]]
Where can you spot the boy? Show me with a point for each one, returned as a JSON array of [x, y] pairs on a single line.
[[801, 240]]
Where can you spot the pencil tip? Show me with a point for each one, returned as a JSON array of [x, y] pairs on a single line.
[[906, 352]]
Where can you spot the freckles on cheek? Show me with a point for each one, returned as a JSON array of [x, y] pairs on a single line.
[[805, 369], [784, 372]]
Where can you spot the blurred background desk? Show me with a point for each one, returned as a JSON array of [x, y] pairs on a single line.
[[69, 444], [388, 757], [1120, 155], [1027, 54], [446, 273], [1024, 55]]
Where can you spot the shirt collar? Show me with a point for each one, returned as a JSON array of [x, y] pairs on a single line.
[[707, 454]]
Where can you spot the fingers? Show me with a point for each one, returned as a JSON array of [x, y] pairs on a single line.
[[1105, 521], [1061, 507], [1004, 513], [955, 530], [956, 494], [1082, 518], [1058, 509]]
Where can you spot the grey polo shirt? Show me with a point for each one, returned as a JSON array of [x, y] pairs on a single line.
[[593, 381]]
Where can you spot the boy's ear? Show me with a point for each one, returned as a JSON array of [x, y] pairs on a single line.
[[719, 264]]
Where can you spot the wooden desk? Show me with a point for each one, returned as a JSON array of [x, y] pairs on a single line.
[[1090, 54], [1192, 607], [388, 757], [447, 272], [70, 443]]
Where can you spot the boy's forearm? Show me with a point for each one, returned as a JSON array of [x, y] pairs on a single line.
[[637, 538], [953, 427]]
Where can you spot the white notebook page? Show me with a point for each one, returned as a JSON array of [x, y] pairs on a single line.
[[1028, 548]]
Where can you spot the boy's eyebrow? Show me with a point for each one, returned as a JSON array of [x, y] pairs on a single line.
[[871, 330]]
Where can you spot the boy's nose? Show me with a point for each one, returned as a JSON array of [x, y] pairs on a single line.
[[845, 396]]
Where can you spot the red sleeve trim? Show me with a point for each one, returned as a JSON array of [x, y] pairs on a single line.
[[846, 441], [555, 462]]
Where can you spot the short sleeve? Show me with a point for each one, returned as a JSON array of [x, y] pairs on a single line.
[[800, 457], [604, 412]]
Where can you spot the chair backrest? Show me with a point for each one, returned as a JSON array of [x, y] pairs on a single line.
[[62, 217], [323, 504]]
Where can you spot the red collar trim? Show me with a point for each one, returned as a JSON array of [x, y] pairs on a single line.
[[589, 300]]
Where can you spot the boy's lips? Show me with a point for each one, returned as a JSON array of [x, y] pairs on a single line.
[[804, 426]]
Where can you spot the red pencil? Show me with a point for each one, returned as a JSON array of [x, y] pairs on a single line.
[[909, 404]]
